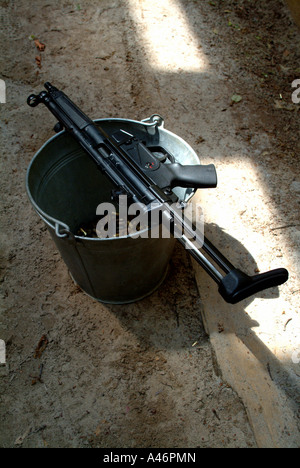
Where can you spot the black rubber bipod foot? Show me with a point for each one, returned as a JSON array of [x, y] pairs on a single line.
[[236, 285]]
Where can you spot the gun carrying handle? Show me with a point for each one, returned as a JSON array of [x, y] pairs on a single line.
[[236, 285]]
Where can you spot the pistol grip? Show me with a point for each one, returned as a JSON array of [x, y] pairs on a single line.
[[197, 177]]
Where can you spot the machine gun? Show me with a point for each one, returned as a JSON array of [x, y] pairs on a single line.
[[140, 172]]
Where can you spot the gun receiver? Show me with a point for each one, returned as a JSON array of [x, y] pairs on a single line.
[[141, 173]]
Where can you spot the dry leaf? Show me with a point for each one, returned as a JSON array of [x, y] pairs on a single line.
[[236, 98], [284, 105], [39, 45], [38, 60], [20, 440], [41, 347]]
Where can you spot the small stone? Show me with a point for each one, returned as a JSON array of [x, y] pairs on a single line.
[[295, 186]]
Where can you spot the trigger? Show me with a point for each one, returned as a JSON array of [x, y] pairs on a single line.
[[162, 157]]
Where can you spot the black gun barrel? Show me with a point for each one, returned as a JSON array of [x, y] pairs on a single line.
[[234, 285]]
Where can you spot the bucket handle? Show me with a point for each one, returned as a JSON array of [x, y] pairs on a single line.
[[155, 120], [61, 229]]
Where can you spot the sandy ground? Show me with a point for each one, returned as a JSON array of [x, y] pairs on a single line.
[[145, 374]]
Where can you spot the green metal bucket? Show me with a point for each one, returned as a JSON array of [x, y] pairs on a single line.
[[65, 188]]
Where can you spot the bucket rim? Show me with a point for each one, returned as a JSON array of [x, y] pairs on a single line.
[[61, 229]]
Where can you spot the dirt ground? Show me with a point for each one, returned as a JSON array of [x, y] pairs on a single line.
[[143, 374]]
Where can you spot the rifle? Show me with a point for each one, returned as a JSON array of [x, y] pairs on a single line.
[[138, 172]]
